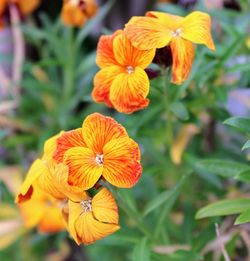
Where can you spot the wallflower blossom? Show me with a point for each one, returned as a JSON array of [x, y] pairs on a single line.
[[122, 82], [158, 30], [77, 12], [88, 219], [25, 7], [100, 149], [43, 210]]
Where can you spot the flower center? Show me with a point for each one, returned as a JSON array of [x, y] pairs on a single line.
[[130, 69], [99, 159], [177, 33], [86, 205]]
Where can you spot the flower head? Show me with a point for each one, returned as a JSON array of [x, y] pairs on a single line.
[[77, 12], [158, 30], [122, 81], [100, 149]]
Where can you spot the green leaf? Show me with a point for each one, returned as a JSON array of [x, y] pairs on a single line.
[[180, 110], [141, 251], [224, 168], [246, 145], [181, 255], [240, 123], [85, 31], [243, 217], [224, 208], [164, 197], [244, 176]]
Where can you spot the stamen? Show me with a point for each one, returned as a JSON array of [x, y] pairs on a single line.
[[86, 205], [99, 159], [177, 33], [130, 69], [75, 2]]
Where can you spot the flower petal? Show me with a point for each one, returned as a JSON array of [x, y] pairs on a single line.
[[27, 7], [122, 162], [83, 169], [172, 22], [128, 92], [72, 15], [196, 28], [26, 190], [89, 230], [74, 193], [127, 55], [104, 53], [67, 141], [98, 130], [50, 146], [182, 54], [147, 33], [104, 207], [102, 82]]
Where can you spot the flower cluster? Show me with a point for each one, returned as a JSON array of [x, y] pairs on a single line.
[[122, 82], [64, 189]]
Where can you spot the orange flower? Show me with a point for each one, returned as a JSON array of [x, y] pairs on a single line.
[[100, 149], [122, 81], [157, 30], [88, 219], [41, 172], [26, 7], [77, 12], [43, 211]]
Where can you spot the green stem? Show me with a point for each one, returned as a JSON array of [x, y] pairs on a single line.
[[167, 103], [69, 76]]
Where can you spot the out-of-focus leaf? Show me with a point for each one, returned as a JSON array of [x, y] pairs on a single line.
[[243, 217], [180, 110], [164, 197], [222, 168], [240, 123], [141, 251], [244, 176], [182, 255], [224, 208], [8, 211], [246, 145]]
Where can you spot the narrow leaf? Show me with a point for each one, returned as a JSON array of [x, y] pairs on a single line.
[[141, 251], [243, 217], [242, 124], [246, 145], [224, 208]]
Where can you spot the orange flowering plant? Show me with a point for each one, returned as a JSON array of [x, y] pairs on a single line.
[[74, 162]]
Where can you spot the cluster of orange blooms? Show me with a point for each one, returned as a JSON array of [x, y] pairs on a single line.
[[66, 188]]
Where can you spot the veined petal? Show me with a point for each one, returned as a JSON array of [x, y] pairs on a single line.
[[122, 166], [102, 82], [75, 211], [98, 130], [196, 28], [182, 54], [26, 190], [27, 7], [83, 169], [104, 207], [74, 193], [52, 220], [172, 22], [50, 146], [147, 33], [104, 53], [128, 92], [89, 230], [47, 181], [127, 55], [67, 141]]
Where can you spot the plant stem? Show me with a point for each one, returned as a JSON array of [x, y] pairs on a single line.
[[167, 103]]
